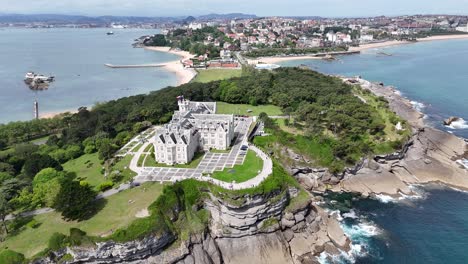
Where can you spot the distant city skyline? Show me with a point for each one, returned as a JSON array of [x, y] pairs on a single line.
[[324, 8]]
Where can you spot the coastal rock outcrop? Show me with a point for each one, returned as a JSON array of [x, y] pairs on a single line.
[[450, 120], [247, 229], [112, 252], [430, 155]]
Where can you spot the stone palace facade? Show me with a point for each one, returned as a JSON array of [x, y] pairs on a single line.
[[194, 127]]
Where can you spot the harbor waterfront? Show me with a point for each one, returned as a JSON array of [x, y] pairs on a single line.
[[77, 58], [410, 229]]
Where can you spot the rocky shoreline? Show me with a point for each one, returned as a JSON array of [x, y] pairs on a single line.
[[430, 156]]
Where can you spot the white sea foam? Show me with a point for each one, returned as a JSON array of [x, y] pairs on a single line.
[[351, 214], [362, 229], [384, 198], [463, 162], [397, 92], [458, 190], [337, 213], [459, 124], [417, 105]]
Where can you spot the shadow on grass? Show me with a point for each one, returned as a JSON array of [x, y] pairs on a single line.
[[93, 209]]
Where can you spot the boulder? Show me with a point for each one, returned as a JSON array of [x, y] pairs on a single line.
[[299, 246], [299, 217], [450, 120], [336, 234], [285, 223]]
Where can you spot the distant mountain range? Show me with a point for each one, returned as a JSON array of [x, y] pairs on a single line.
[[76, 19]]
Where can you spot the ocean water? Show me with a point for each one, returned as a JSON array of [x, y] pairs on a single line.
[[431, 227], [432, 74], [76, 57]]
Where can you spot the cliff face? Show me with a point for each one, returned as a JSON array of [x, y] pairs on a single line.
[[257, 230], [263, 230]]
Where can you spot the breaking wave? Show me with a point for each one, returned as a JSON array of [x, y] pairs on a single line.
[[418, 105], [417, 194], [385, 198], [359, 231], [459, 124], [463, 162]]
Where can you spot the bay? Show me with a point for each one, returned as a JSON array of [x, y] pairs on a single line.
[[76, 57]]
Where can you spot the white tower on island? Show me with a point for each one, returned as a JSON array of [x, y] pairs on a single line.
[[36, 109]]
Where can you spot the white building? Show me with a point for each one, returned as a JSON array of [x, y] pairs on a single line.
[[331, 36], [463, 28], [366, 38], [195, 26], [194, 127]]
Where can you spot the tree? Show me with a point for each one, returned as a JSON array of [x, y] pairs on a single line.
[[11, 187], [46, 186], [11, 257], [37, 162], [5, 209], [75, 200], [46, 175], [106, 149]]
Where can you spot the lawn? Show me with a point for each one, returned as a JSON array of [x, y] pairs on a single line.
[[87, 167], [290, 128], [119, 210], [40, 141], [151, 162], [205, 76], [243, 109], [241, 173], [122, 166]]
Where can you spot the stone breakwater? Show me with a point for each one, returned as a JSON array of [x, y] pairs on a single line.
[[251, 229]]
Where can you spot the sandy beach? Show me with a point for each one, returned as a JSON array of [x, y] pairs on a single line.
[[184, 75], [397, 42], [56, 113], [273, 60]]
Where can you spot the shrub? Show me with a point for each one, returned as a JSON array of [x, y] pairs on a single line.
[[57, 241], [33, 224], [11, 257], [77, 237], [105, 186]]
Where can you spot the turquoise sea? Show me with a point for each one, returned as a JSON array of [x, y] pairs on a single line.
[[76, 57], [431, 227]]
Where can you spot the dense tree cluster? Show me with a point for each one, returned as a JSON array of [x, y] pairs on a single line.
[[269, 52], [190, 40]]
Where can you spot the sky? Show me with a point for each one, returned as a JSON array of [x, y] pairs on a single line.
[[324, 8]]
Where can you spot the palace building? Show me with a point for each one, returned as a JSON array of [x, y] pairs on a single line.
[[193, 128]]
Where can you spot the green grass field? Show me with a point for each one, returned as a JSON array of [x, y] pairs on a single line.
[[290, 129], [87, 167], [122, 166], [241, 173], [243, 109], [205, 76], [119, 211], [151, 162]]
